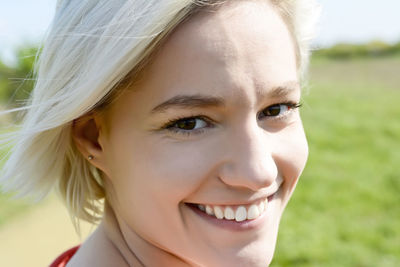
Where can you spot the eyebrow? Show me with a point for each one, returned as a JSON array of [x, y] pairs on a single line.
[[202, 101], [189, 101], [282, 90]]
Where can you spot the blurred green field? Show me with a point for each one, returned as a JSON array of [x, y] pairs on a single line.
[[346, 208]]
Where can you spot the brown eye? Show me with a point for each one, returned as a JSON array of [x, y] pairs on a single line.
[[186, 124], [275, 110], [189, 124], [278, 110]]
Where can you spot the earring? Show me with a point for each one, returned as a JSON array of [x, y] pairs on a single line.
[[90, 157]]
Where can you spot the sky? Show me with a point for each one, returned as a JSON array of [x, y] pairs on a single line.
[[350, 21]]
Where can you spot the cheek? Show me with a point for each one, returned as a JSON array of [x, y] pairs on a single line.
[[291, 154], [167, 171], [151, 181], [180, 168]]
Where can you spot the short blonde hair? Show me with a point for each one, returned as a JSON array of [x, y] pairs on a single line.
[[92, 49]]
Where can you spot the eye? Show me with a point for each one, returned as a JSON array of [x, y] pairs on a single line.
[[188, 124], [278, 110]]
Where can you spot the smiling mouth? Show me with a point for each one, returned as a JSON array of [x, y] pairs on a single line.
[[238, 213]]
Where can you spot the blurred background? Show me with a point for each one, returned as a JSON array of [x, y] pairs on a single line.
[[346, 208]]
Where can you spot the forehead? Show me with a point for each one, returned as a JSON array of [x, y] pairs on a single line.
[[238, 52], [235, 28], [238, 41]]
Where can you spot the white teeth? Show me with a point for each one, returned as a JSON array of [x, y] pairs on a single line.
[[261, 207], [218, 212], [241, 214], [229, 214], [253, 212], [209, 210]]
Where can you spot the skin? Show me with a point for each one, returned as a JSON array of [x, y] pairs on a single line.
[[240, 54]]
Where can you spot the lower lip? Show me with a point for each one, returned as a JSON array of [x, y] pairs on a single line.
[[233, 225]]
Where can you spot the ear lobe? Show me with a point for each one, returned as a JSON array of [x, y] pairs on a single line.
[[85, 133]]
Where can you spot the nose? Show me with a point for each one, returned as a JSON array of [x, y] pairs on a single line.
[[249, 159]]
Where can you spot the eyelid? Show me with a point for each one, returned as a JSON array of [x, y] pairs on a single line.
[[291, 107], [169, 125], [172, 122], [212, 124]]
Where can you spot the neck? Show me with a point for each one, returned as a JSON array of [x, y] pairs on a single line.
[[132, 248]]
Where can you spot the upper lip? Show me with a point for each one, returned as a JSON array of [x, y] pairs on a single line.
[[269, 191]]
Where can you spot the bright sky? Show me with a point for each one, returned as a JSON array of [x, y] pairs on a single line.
[[354, 21]]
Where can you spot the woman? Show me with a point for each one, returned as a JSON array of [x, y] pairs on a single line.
[[181, 115]]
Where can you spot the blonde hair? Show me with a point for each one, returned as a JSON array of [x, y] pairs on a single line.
[[91, 50]]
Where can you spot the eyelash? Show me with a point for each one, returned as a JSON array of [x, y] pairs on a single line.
[[170, 125]]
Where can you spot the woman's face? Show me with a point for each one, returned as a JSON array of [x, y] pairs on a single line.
[[213, 125]]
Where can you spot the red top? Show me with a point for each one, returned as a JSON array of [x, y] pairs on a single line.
[[63, 259]]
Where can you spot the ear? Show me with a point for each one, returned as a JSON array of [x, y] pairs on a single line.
[[86, 132]]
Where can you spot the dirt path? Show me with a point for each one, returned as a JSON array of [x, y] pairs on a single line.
[[39, 236]]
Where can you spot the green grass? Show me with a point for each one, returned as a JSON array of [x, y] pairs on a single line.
[[346, 208]]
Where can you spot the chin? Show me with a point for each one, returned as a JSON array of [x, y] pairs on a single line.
[[258, 253], [260, 257]]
